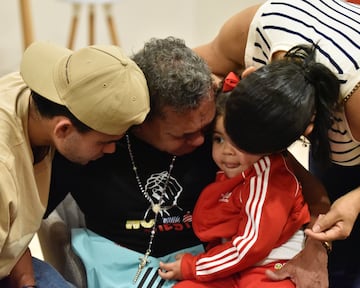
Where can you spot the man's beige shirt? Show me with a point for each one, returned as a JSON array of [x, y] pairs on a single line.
[[24, 187]]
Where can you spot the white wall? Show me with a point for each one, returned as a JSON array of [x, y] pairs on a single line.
[[196, 21]]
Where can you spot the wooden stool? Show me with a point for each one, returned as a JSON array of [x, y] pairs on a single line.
[[26, 22], [107, 5]]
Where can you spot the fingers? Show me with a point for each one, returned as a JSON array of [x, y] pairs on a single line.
[[277, 275], [164, 266], [328, 227], [334, 233], [167, 275], [325, 222], [338, 222], [328, 236], [163, 271]]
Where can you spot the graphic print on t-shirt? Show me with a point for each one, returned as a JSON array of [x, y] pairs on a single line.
[[168, 218], [154, 192]]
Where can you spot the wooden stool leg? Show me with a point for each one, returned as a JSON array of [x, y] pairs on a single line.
[[110, 23], [91, 24], [74, 25], [26, 22]]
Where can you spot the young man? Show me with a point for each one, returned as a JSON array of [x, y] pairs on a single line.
[[262, 33], [142, 196], [76, 102]]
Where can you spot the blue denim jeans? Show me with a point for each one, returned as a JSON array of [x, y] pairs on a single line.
[[47, 277]]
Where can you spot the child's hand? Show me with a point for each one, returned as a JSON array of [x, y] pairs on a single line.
[[171, 270]]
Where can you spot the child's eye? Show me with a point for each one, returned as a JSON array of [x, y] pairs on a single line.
[[218, 139]]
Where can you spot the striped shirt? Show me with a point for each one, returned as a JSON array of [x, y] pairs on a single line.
[[332, 25]]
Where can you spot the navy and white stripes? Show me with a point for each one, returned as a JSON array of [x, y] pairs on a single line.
[[334, 27]]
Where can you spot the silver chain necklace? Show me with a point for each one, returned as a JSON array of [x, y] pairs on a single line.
[[156, 207]]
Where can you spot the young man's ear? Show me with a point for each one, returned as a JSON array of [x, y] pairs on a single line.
[[63, 127], [247, 71]]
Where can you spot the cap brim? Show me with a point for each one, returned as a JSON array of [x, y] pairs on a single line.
[[37, 68]]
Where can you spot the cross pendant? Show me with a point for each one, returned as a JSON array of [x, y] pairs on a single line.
[[143, 261]]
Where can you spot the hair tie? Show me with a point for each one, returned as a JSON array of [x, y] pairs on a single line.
[[230, 82]]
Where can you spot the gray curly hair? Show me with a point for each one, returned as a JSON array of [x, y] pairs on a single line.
[[175, 74]]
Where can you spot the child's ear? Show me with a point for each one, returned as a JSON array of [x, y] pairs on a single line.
[[309, 129], [247, 71], [278, 55]]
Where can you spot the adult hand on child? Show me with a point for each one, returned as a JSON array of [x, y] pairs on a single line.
[[308, 269]]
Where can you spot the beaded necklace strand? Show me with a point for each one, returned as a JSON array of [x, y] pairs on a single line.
[[156, 207]]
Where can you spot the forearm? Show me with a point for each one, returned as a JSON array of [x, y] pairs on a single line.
[[318, 203], [355, 199], [22, 274], [348, 206], [314, 192], [217, 59]]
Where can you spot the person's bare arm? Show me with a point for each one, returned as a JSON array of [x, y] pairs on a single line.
[[339, 221], [314, 192], [308, 269], [226, 51], [22, 274]]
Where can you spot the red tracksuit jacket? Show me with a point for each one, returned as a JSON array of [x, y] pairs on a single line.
[[244, 218]]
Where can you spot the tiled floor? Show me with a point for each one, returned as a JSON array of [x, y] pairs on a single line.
[[299, 151]]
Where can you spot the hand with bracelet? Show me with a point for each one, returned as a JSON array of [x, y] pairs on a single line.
[[312, 258]]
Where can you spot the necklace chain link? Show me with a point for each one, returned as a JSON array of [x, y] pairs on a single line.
[[156, 207]]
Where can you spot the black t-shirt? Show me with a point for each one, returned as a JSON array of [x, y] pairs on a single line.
[[107, 192]]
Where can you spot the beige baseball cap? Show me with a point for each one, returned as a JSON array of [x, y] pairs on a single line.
[[100, 85]]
